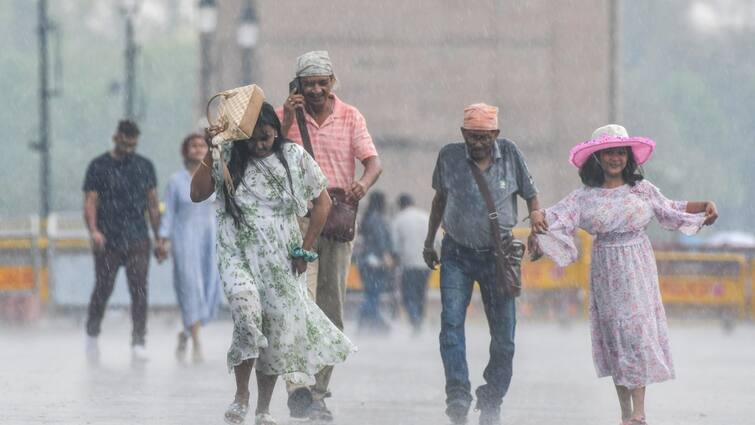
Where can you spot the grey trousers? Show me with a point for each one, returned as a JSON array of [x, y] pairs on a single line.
[[326, 282]]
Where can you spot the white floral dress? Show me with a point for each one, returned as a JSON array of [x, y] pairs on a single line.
[[275, 321], [627, 320]]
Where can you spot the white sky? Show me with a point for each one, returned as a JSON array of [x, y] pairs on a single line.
[[715, 16]]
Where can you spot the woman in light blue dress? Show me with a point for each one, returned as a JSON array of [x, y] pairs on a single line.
[[188, 231]]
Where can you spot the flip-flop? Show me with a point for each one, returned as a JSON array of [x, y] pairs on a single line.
[[235, 413], [264, 419]]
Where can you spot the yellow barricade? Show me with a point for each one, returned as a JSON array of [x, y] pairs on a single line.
[[542, 275], [354, 281], [703, 279], [17, 273], [545, 275]]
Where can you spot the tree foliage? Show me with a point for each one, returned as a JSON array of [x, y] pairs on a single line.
[[693, 93]]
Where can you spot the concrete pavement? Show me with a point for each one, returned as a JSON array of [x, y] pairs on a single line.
[[392, 380]]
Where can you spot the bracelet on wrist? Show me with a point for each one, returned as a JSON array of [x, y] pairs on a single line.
[[299, 252]]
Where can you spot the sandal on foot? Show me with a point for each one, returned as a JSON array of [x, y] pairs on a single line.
[[637, 421], [181, 347], [264, 419], [236, 413]]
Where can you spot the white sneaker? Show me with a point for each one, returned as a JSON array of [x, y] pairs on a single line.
[[139, 353], [92, 349]]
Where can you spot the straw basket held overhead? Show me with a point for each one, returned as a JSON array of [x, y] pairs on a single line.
[[238, 111]]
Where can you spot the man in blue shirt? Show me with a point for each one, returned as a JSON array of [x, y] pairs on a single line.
[[467, 254]]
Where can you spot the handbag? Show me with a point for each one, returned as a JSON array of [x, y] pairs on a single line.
[[238, 112], [508, 253], [340, 225]]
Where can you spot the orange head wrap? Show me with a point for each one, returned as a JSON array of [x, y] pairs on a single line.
[[480, 116]]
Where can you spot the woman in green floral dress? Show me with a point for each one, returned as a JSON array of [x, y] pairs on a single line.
[[262, 258]]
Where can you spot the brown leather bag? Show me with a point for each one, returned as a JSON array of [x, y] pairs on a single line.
[[509, 252], [341, 223], [508, 267]]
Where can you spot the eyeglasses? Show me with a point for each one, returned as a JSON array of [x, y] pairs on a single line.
[[479, 137]]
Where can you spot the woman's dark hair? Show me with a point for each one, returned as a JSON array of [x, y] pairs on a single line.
[[241, 158], [592, 174], [375, 206], [376, 203]]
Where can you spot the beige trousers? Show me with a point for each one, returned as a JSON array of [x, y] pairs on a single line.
[[326, 282]]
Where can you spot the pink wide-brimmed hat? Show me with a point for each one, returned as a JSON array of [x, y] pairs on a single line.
[[612, 136]]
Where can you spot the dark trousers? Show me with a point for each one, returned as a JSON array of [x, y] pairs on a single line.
[[413, 293], [460, 268], [374, 282], [106, 264]]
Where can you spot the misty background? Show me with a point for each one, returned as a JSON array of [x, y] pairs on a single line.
[[686, 70]]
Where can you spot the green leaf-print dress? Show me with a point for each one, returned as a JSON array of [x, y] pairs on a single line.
[[274, 319]]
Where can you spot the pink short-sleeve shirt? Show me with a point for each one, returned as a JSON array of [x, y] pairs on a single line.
[[342, 138]]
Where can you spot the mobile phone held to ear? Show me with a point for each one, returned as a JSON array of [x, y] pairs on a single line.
[[294, 87]]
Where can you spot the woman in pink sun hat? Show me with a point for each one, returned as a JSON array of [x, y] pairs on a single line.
[[627, 319]]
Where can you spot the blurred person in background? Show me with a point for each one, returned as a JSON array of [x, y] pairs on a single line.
[[188, 232], [263, 258], [375, 262], [119, 188], [627, 320], [467, 255], [408, 230], [339, 136]]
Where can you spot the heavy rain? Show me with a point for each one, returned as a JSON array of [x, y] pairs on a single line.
[[330, 194]]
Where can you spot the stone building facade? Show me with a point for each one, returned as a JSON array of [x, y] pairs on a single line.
[[412, 66]]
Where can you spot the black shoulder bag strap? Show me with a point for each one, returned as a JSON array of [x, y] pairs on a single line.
[[301, 122], [495, 231]]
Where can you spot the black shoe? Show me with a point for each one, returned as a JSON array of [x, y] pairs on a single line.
[[457, 412], [490, 410], [490, 416], [299, 402], [318, 411]]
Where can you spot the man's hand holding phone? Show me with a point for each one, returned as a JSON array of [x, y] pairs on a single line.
[[295, 100]]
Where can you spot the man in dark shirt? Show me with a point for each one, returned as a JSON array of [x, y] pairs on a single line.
[[120, 186]]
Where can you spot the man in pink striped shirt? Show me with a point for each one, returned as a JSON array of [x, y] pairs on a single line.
[[339, 135]]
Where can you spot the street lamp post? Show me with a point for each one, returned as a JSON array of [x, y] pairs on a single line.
[[45, 28], [129, 11], [615, 54], [246, 36], [43, 144], [208, 21]]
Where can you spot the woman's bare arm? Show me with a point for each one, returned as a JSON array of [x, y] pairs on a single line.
[[317, 219], [202, 183], [707, 207]]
